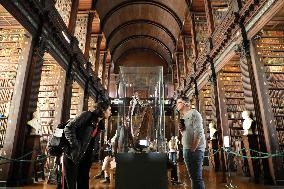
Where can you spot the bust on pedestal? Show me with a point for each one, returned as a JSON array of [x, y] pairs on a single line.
[[250, 141], [212, 131], [35, 123], [214, 145], [247, 124]]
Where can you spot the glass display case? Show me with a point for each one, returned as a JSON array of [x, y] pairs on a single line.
[[140, 106]]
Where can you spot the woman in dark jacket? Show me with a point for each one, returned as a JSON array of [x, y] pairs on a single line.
[[81, 134]]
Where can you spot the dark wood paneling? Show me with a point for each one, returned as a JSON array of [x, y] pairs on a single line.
[[141, 30], [142, 41], [140, 23]]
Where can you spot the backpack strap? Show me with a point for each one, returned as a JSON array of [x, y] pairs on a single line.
[[95, 131]]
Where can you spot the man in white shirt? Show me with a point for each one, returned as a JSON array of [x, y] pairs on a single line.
[[193, 141]]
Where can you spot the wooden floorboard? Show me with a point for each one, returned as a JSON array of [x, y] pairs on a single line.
[[212, 181]]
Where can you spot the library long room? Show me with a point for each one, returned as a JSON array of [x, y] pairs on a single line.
[[144, 94]]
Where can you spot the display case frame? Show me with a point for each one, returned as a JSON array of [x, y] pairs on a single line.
[[141, 105]]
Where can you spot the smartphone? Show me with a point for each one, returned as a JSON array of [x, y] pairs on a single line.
[[182, 125], [182, 122]]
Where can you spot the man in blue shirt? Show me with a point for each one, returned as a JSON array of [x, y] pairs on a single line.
[[193, 141]]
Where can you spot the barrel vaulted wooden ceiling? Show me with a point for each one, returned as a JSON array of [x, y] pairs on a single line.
[[152, 25]]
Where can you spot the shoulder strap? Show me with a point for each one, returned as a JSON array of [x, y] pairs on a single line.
[[95, 132], [62, 125]]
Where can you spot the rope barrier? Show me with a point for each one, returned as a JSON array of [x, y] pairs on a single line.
[[262, 155], [21, 158], [280, 154], [213, 152]]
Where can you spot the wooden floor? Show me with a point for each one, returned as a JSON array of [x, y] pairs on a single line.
[[212, 181]]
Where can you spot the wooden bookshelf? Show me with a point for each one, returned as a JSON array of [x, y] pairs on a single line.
[[270, 47], [234, 99], [206, 102], [47, 103], [10, 53], [91, 104], [76, 100]]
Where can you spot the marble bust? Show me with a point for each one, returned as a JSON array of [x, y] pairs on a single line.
[[212, 131], [35, 123], [247, 123]]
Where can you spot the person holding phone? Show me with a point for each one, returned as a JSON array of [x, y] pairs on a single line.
[[193, 141]]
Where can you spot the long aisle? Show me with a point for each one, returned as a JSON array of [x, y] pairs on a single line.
[[212, 181]]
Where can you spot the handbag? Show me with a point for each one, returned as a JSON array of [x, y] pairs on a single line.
[[57, 140]]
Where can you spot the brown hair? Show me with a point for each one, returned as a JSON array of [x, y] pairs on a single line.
[[100, 108], [184, 98]]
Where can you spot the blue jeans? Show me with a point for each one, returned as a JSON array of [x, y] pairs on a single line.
[[193, 162], [173, 157]]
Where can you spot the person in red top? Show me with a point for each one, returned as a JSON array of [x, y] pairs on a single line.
[[82, 134]]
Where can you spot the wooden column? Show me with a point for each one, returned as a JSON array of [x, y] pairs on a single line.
[[22, 107], [108, 82], [267, 133], [247, 73], [216, 104], [221, 107], [59, 102], [173, 73], [18, 140], [177, 69], [97, 62], [73, 16], [185, 57], [86, 54], [209, 16], [195, 52], [65, 114], [252, 100], [88, 35], [175, 76], [104, 68], [68, 90], [217, 108], [26, 88], [86, 89], [214, 88], [193, 34]]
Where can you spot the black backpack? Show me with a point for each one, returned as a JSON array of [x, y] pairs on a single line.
[[56, 143]]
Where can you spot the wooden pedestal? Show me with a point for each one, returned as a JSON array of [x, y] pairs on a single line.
[[140, 171], [250, 142], [32, 144]]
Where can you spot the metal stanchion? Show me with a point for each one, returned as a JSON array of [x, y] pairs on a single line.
[[229, 180], [229, 183]]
